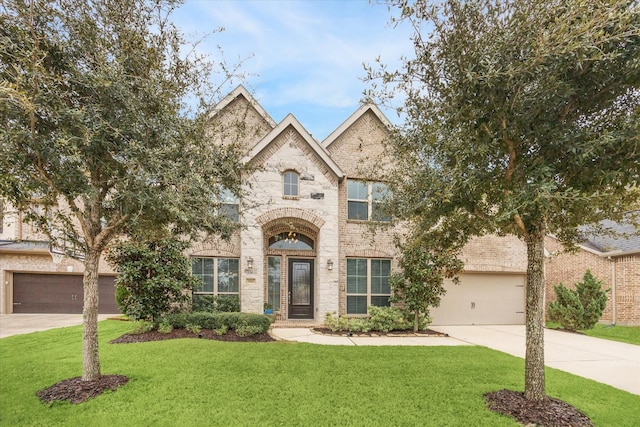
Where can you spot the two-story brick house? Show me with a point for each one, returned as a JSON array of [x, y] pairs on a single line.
[[306, 246]]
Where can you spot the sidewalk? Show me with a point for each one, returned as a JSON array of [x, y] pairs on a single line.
[[306, 335]]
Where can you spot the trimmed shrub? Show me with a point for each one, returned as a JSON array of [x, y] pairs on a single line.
[[153, 277], [246, 323], [579, 309], [164, 327], [194, 329], [215, 303], [383, 319], [142, 326]]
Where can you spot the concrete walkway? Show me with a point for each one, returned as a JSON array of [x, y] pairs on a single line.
[[306, 335]]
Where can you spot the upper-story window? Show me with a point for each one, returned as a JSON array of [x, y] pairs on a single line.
[[290, 181], [366, 201], [229, 206]]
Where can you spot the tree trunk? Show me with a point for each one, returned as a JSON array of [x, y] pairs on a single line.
[[90, 356], [416, 321], [534, 362]]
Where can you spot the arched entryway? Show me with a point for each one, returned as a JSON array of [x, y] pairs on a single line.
[[290, 248]]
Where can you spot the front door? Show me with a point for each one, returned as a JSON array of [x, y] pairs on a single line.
[[300, 289]]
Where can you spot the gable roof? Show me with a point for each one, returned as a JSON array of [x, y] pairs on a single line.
[[353, 118], [242, 91], [624, 237], [290, 120]]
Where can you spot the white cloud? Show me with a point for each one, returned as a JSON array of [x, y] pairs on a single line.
[[306, 54]]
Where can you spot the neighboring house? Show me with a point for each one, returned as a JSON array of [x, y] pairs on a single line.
[[307, 245], [614, 260]]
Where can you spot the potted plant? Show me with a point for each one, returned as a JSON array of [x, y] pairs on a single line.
[[268, 308]]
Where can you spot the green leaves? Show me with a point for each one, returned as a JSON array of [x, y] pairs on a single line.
[[425, 265], [521, 107], [96, 120], [579, 308], [152, 277]]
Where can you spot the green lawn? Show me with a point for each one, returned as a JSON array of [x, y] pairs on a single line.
[[628, 334], [199, 383]]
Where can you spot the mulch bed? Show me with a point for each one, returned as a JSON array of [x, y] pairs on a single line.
[[183, 333], [548, 413], [397, 333], [77, 391]]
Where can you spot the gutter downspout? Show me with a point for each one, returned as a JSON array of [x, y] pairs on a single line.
[[613, 290]]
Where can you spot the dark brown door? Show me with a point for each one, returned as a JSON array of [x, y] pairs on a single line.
[[300, 289], [59, 293]]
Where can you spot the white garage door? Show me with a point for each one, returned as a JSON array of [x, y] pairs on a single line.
[[482, 299]]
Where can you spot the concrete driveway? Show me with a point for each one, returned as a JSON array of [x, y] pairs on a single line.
[[14, 324], [609, 362]]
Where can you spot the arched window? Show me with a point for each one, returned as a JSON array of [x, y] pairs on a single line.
[[290, 184], [291, 240]]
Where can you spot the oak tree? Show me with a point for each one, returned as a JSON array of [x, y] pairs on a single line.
[[522, 117], [104, 124]]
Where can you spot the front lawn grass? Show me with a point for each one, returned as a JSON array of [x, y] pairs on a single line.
[[628, 334], [196, 382]]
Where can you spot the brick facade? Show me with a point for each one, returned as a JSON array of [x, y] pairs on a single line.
[[620, 274], [354, 151]]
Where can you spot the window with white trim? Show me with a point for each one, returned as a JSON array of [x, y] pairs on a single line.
[[366, 201], [367, 284], [229, 206], [290, 183], [219, 276]]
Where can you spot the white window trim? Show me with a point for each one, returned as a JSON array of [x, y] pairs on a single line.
[[370, 201], [291, 196], [369, 294], [215, 277]]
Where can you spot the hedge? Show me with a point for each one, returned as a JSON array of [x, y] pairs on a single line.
[[242, 323]]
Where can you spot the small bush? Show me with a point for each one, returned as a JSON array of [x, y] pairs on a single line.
[[165, 327], [220, 321], [215, 303], [194, 329], [579, 309], [359, 324], [246, 330], [336, 324], [383, 319], [143, 326], [221, 330]]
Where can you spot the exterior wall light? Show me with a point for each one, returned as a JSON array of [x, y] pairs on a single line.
[[329, 265], [250, 263]]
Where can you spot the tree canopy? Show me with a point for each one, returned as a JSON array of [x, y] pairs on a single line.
[[522, 117], [105, 126]]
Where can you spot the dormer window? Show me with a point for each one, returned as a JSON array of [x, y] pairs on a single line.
[[290, 180]]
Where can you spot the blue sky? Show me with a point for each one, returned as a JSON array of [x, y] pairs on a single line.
[[302, 57]]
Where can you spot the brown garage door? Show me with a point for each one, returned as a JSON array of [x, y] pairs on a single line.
[[59, 293]]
